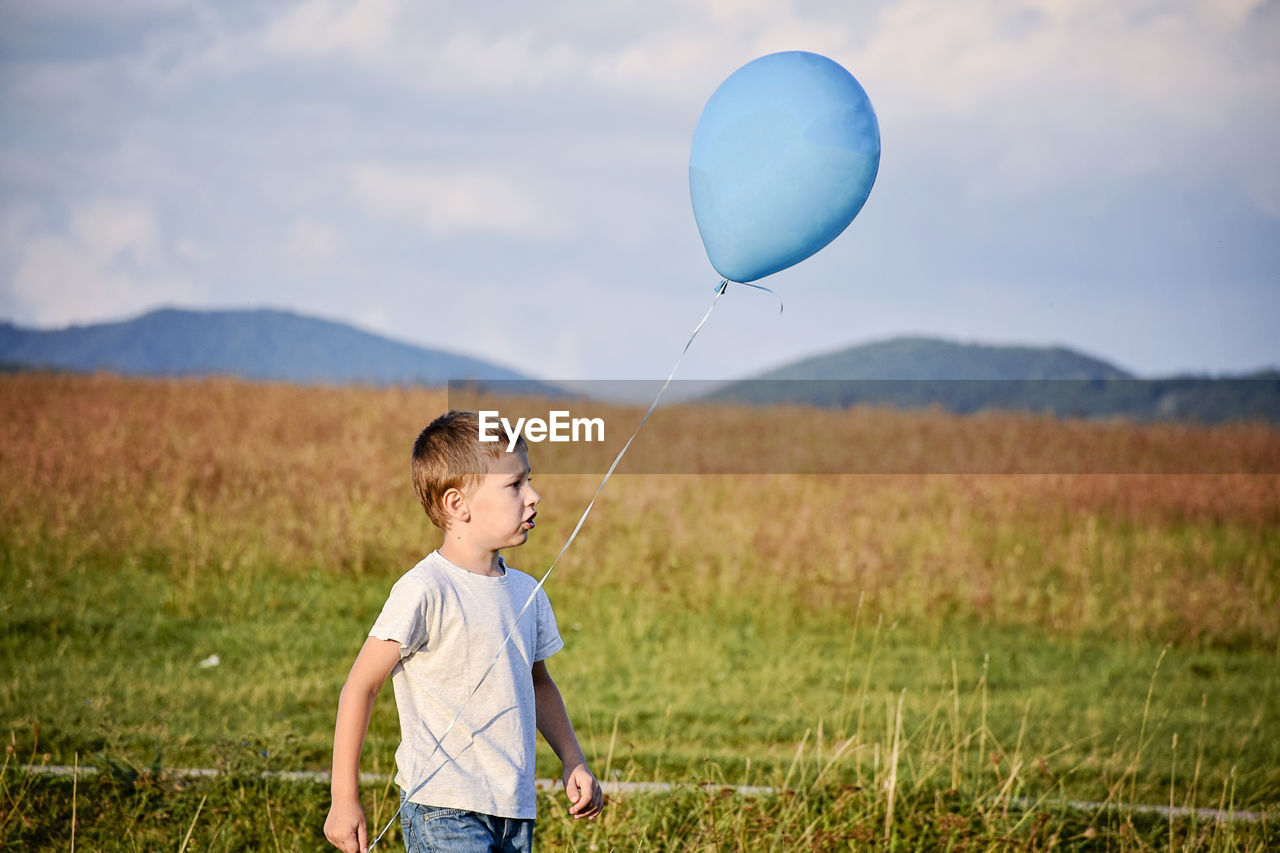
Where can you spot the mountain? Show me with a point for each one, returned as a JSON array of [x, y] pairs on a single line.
[[253, 344], [966, 378], [917, 358], [902, 372]]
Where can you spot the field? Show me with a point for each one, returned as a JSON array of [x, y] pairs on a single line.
[[943, 654]]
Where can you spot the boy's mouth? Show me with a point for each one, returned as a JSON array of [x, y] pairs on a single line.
[[528, 523]]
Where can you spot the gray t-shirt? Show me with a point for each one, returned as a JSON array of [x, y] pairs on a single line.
[[450, 623]]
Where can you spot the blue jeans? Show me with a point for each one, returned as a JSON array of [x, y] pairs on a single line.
[[428, 829]]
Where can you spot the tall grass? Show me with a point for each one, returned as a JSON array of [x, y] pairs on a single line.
[[941, 659]]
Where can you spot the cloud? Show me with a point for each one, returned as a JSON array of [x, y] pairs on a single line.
[[446, 203], [362, 29], [281, 145], [108, 230], [90, 10], [109, 262], [192, 251], [309, 241], [1019, 98], [1052, 95]]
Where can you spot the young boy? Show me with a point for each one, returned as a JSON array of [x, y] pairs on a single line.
[[469, 786]]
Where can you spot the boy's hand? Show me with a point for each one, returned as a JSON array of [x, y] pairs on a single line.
[[345, 827], [586, 797]]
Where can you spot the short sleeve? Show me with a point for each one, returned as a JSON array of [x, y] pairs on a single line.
[[549, 641], [403, 617]]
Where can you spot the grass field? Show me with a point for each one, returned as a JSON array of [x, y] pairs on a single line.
[[941, 660]]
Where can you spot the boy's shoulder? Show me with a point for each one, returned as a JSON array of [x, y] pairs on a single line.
[[428, 567], [429, 575]]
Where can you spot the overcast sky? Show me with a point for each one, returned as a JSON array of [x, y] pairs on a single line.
[[509, 180]]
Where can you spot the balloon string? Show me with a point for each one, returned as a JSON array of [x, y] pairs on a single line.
[[725, 283], [720, 290]]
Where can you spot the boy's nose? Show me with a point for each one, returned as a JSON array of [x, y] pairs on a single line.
[[534, 497]]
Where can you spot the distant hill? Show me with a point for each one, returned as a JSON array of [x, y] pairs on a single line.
[[930, 358], [253, 344], [903, 372], [967, 378]]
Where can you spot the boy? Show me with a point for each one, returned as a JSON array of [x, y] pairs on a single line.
[[466, 776]]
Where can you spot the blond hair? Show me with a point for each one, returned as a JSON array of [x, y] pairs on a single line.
[[449, 455]]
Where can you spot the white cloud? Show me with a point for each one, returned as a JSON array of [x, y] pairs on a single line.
[[17, 221], [110, 230], [494, 61], [1056, 93], [192, 251], [316, 28], [445, 203], [1048, 94], [108, 263], [310, 241]]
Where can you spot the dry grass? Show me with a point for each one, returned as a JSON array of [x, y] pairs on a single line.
[[218, 474]]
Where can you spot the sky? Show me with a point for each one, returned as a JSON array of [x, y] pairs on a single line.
[[510, 180]]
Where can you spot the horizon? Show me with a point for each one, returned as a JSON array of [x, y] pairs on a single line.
[[691, 382]]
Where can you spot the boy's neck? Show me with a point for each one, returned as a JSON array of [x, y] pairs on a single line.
[[480, 561]]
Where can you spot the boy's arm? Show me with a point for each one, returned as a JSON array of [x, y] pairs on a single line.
[[345, 826], [580, 784]]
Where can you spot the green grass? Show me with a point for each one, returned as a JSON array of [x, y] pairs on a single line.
[[123, 811], [941, 661], [103, 668], [107, 661]]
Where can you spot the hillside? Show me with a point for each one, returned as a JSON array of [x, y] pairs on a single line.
[[909, 372], [967, 378], [253, 344], [918, 358]]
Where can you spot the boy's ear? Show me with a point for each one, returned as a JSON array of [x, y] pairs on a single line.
[[455, 505]]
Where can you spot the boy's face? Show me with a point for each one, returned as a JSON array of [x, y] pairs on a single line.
[[502, 503]]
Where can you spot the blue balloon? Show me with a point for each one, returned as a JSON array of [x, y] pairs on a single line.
[[783, 158]]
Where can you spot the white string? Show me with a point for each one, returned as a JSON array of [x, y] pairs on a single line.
[[720, 289]]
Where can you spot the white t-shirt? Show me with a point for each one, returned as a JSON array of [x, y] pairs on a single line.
[[450, 623]]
